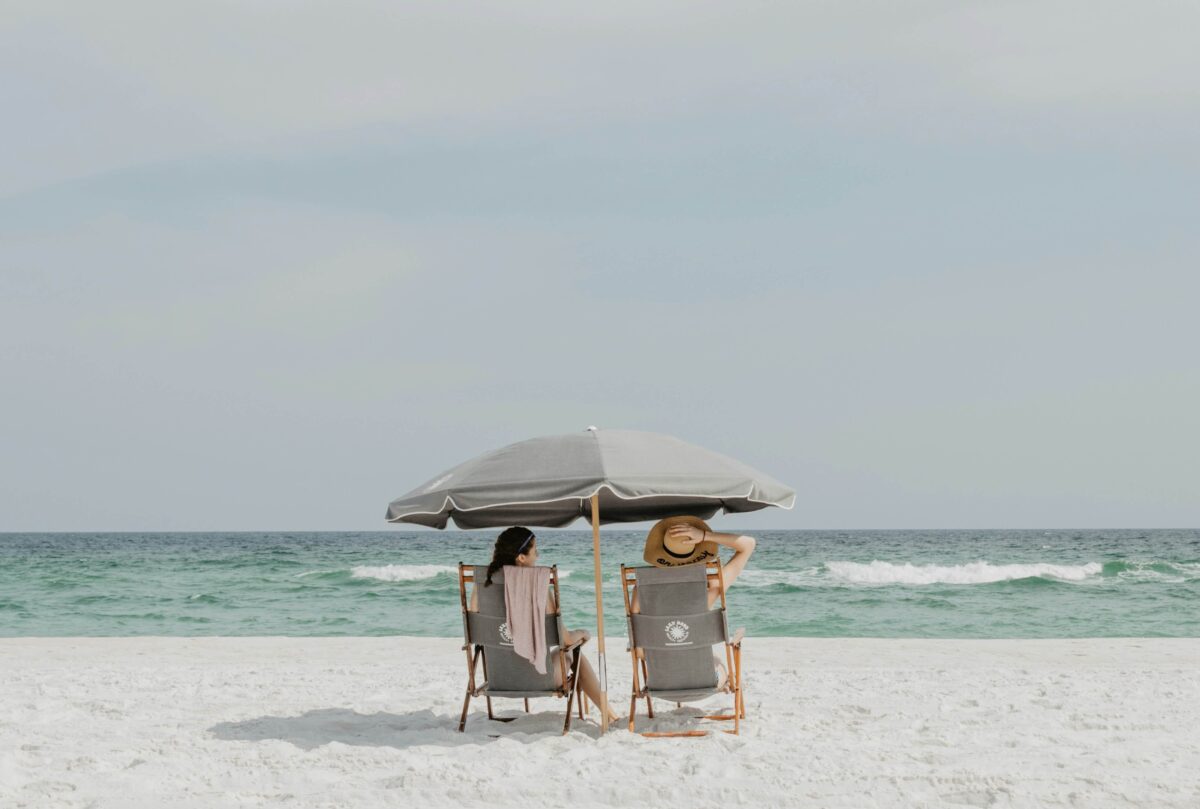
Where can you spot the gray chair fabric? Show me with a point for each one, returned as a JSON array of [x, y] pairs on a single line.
[[676, 631], [506, 672]]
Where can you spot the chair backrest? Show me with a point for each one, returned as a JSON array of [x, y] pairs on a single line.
[[488, 627], [675, 628]]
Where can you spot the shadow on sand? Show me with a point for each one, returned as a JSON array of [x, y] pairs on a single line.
[[320, 727]]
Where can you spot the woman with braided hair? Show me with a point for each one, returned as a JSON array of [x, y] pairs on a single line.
[[518, 546]]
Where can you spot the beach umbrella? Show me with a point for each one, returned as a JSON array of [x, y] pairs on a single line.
[[604, 476]]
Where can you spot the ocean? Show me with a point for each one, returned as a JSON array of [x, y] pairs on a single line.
[[893, 584]]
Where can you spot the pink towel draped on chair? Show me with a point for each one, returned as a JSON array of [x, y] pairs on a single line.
[[525, 607]]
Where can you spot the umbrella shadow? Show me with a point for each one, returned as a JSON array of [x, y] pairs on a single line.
[[323, 726]]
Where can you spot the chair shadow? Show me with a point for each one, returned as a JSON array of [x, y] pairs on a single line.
[[322, 726], [670, 718]]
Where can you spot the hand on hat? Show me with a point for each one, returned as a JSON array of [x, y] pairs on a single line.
[[684, 533]]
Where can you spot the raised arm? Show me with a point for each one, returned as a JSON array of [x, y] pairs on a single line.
[[743, 547]]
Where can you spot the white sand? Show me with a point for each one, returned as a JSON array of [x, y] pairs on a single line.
[[356, 722]]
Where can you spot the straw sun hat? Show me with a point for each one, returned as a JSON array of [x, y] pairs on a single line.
[[663, 551]]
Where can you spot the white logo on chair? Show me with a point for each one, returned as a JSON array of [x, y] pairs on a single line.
[[505, 634], [677, 632]]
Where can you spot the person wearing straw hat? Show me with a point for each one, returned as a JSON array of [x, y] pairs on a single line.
[[686, 540]]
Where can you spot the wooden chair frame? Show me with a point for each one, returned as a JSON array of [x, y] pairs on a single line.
[[733, 661], [476, 653]]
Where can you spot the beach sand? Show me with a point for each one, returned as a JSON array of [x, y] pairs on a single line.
[[350, 722]]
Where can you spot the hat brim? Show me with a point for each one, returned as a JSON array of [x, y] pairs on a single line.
[[658, 554]]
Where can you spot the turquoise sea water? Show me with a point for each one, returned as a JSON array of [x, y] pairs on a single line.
[[960, 584]]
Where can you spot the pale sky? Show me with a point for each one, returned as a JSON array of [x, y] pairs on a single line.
[[270, 265]]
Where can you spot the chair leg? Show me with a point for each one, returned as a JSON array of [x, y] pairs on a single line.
[[646, 679], [570, 696], [573, 691], [632, 712], [741, 688], [492, 715], [583, 701], [462, 720], [472, 661], [527, 705]]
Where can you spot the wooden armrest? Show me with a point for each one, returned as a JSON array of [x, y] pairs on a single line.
[[575, 645], [737, 637]]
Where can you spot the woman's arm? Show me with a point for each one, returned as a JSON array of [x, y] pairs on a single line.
[[571, 635], [743, 547]]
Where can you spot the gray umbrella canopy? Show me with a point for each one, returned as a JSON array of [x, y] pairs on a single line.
[[550, 481]]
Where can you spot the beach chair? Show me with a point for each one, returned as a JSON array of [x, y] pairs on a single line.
[[675, 631], [505, 673]]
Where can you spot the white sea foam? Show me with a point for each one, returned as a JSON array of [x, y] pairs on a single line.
[[407, 572], [1162, 572], [972, 573], [401, 572]]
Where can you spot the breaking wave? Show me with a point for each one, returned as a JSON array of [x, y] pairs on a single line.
[[402, 572]]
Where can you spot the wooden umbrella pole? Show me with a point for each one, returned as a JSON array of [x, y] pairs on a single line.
[[601, 671]]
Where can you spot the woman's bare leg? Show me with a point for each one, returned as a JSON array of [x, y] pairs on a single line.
[[591, 685]]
